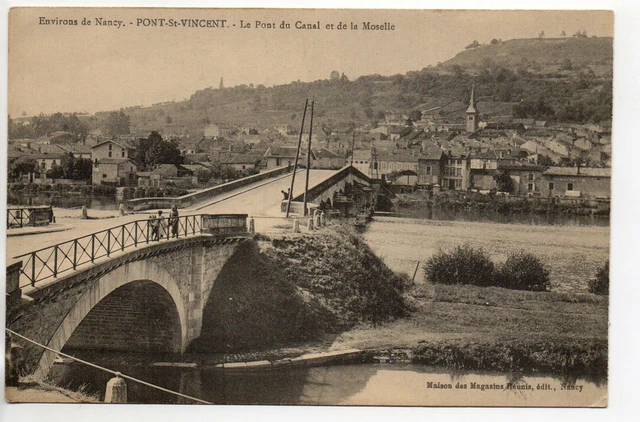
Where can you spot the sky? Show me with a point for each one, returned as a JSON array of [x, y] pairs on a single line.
[[80, 68]]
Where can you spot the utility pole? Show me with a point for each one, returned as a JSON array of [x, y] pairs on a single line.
[[295, 166], [306, 183], [353, 143]]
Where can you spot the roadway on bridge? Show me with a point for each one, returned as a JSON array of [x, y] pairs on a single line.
[[261, 199]]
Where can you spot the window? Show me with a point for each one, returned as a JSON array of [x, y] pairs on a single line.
[[104, 176], [530, 176], [123, 153], [458, 184], [551, 186], [110, 147], [109, 153], [569, 186], [470, 117], [458, 172], [531, 187], [428, 171]]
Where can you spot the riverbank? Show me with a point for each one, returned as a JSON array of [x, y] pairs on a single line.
[[471, 328], [34, 391], [501, 204]]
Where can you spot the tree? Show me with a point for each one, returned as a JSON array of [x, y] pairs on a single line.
[[117, 123], [334, 76], [82, 169], [600, 284], [55, 172], [563, 34], [415, 115], [474, 44], [504, 181], [23, 165], [545, 160], [541, 34], [494, 41], [154, 151]]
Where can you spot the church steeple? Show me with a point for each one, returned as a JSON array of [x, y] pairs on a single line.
[[472, 112]]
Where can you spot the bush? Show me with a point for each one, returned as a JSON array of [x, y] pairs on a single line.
[[600, 284], [104, 190], [523, 271], [462, 265]]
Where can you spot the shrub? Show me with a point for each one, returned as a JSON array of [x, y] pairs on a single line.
[[600, 284], [462, 265], [104, 190], [523, 271]]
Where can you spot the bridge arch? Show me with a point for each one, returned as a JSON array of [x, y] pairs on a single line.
[[150, 276]]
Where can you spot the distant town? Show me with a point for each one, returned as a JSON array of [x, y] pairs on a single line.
[[420, 151]]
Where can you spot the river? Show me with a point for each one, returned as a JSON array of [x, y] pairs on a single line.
[[361, 384], [572, 248], [68, 200]]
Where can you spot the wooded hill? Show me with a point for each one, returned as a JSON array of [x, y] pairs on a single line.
[[568, 80]]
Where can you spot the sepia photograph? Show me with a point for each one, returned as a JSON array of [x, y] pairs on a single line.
[[308, 207]]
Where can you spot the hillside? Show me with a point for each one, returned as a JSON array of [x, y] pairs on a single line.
[[545, 52], [567, 80]]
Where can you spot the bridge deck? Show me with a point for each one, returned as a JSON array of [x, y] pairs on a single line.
[[261, 199]]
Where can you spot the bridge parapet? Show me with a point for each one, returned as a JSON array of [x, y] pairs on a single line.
[[203, 195], [49, 263]]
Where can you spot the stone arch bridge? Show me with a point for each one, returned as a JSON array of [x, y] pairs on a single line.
[[147, 299]]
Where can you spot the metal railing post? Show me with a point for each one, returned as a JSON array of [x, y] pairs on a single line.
[[33, 269], [148, 228], [122, 229], [108, 242], [135, 234], [55, 261], [93, 248], [75, 254]]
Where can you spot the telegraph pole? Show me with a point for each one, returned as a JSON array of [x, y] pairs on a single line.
[[306, 183], [295, 166], [353, 143]]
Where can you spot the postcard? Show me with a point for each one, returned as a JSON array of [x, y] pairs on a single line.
[[306, 207]]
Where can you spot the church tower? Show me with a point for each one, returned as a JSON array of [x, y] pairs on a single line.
[[472, 112]]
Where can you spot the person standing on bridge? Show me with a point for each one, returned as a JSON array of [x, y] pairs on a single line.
[[173, 220], [153, 223], [162, 229]]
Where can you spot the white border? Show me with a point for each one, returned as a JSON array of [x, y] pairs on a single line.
[[625, 252]]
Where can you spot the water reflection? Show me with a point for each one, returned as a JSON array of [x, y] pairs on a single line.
[[364, 384], [67, 200]]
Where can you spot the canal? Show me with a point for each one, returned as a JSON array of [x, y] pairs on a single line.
[[358, 384]]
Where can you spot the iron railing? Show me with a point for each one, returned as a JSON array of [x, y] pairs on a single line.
[[50, 262], [32, 216]]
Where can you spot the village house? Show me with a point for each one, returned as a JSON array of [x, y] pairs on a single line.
[[325, 159], [430, 167], [361, 160], [578, 182], [219, 131], [456, 170], [278, 156], [242, 161], [158, 177], [114, 171], [394, 161], [47, 161], [112, 149], [527, 177]]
